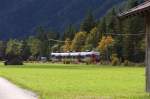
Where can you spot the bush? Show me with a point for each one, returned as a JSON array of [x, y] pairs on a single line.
[[115, 60], [88, 61], [128, 63], [66, 61], [16, 60]]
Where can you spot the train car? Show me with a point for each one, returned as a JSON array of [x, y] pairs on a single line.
[[76, 57]]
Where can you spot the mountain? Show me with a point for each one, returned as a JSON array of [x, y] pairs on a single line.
[[20, 18]]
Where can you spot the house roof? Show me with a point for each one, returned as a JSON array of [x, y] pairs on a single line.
[[140, 9]]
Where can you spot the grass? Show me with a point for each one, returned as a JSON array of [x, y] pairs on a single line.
[[57, 81]]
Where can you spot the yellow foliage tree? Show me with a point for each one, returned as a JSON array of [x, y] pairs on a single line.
[[105, 43], [67, 45], [79, 41]]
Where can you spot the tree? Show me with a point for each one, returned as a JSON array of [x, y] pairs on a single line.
[[92, 39], [67, 45], [51, 44], [34, 45], [131, 43], [78, 41], [114, 26], [40, 30], [105, 43], [69, 32], [2, 49], [25, 53], [88, 23], [42, 35], [105, 47], [102, 27], [112, 21], [14, 47], [13, 52]]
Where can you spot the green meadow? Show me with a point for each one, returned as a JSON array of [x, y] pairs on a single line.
[[59, 81]]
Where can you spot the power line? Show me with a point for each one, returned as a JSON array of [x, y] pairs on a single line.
[[114, 34], [56, 40], [60, 41]]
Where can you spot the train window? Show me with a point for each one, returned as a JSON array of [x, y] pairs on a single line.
[[88, 55], [68, 56], [53, 56]]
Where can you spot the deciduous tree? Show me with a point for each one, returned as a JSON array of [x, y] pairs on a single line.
[[34, 45], [14, 47], [67, 45], [79, 41]]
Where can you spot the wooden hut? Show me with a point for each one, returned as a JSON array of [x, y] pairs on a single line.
[[144, 10]]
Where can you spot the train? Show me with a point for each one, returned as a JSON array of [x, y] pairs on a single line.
[[76, 57]]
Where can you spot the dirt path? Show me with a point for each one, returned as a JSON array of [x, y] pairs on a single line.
[[11, 91]]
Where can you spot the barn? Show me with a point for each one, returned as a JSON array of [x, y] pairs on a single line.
[[143, 10]]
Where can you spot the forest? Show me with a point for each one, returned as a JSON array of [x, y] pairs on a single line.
[[118, 41]]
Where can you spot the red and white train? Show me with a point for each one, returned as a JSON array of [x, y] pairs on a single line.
[[76, 57]]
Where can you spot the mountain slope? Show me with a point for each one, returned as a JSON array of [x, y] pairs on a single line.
[[19, 18]]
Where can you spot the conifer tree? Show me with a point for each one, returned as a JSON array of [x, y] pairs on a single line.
[[25, 52], [88, 23], [102, 27], [43, 37], [69, 32], [131, 46]]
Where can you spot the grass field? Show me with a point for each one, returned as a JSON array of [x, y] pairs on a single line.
[[56, 81]]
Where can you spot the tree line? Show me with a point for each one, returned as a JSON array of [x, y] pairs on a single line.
[[112, 37]]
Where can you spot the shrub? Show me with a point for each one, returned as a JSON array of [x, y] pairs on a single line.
[[128, 63], [115, 60], [14, 60], [66, 61], [88, 61], [103, 62]]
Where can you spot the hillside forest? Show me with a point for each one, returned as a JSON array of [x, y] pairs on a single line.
[[117, 40]]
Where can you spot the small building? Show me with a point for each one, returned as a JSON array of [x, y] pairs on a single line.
[[144, 10]]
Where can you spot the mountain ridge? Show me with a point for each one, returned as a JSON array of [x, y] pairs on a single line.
[[19, 18]]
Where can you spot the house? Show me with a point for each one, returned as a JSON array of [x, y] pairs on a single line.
[[143, 10]]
